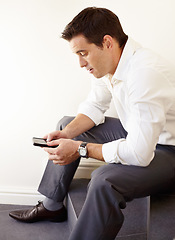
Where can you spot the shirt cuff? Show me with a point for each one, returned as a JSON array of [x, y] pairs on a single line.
[[110, 151], [95, 114]]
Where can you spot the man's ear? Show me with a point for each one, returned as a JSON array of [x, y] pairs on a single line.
[[107, 41]]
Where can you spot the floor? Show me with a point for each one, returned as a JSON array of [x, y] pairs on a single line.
[[10, 229]]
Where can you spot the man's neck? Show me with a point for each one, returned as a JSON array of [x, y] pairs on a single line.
[[116, 58]]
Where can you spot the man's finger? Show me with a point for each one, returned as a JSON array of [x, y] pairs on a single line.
[[53, 143], [49, 150]]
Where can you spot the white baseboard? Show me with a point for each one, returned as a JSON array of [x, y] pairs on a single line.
[[23, 196], [19, 196]]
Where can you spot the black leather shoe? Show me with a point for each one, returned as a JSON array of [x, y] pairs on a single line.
[[39, 213]]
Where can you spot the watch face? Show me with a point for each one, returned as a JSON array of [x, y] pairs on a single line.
[[83, 152]]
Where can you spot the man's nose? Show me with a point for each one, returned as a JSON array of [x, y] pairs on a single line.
[[82, 62]]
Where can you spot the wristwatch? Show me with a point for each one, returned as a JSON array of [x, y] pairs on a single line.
[[83, 150]]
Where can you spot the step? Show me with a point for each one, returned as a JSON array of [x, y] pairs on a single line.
[[136, 213], [162, 217]]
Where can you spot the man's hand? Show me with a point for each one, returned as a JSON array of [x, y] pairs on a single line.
[[65, 153], [55, 135], [77, 126]]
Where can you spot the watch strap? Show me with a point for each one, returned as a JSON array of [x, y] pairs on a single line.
[[83, 144]]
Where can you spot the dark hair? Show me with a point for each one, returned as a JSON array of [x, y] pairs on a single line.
[[94, 23]]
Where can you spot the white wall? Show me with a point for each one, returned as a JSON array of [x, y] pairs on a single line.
[[40, 79]]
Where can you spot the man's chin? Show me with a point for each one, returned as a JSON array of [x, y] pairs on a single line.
[[98, 75]]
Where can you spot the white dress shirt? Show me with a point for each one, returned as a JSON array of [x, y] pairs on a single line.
[[143, 91]]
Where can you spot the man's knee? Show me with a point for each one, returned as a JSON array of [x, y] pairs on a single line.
[[64, 122], [115, 177], [99, 179], [102, 186]]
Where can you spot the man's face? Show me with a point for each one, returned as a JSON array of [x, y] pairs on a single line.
[[96, 60]]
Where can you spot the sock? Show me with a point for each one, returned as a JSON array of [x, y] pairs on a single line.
[[52, 205]]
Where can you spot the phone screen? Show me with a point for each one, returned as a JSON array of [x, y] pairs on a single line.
[[40, 142]]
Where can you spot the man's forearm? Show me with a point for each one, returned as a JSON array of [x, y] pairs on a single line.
[[95, 151], [80, 124]]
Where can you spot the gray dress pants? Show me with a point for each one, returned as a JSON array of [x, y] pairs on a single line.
[[111, 185]]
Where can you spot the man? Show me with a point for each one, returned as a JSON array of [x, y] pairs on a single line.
[[139, 147]]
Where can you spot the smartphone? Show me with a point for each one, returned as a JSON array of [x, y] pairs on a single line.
[[41, 142]]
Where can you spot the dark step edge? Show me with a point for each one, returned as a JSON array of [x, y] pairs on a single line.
[[136, 236], [72, 216], [78, 185]]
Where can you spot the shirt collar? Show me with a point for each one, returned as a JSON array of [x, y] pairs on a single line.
[[129, 50]]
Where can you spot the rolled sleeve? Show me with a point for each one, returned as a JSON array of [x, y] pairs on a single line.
[[95, 114], [110, 152], [97, 102]]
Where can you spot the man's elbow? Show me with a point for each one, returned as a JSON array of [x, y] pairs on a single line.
[[144, 161]]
